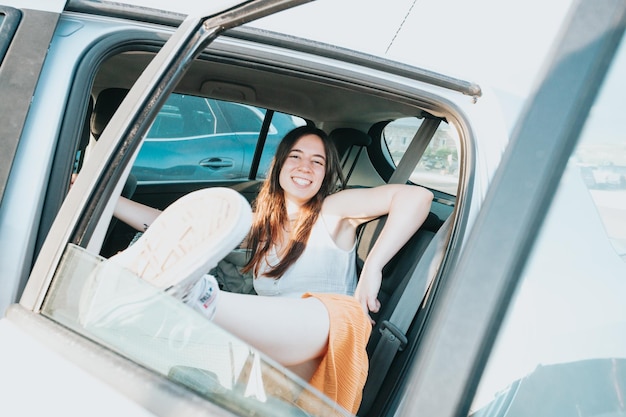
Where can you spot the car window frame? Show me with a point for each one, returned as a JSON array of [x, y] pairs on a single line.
[[76, 109], [469, 303]]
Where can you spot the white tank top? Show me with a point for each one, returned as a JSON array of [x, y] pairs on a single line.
[[323, 267]]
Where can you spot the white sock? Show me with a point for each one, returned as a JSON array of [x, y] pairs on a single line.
[[203, 296]]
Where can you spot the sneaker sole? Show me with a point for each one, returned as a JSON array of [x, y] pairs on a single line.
[[189, 238]]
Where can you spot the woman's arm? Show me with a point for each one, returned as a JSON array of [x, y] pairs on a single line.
[[134, 214], [407, 207]]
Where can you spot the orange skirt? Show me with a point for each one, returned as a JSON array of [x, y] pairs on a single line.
[[343, 369]]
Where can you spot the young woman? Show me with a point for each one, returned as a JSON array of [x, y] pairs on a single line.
[[303, 239]]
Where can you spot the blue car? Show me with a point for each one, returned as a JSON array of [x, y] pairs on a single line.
[[203, 139]]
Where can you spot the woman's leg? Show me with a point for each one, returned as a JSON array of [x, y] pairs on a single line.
[[292, 331], [189, 237]]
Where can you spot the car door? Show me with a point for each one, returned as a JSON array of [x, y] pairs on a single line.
[[25, 36], [467, 313], [196, 139], [211, 150], [247, 123]]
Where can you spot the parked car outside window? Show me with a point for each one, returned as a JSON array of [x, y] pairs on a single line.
[[202, 139]]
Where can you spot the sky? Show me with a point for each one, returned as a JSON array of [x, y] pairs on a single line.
[[502, 44], [499, 44]]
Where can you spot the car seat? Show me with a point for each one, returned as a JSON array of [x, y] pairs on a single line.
[[350, 143]]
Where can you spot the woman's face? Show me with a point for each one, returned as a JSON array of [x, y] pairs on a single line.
[[303, 171]]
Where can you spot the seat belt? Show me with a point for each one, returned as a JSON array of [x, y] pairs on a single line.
[[393, 331], [407, 164], [354, 161]]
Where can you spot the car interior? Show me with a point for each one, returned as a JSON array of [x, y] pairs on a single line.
[[352, 111]]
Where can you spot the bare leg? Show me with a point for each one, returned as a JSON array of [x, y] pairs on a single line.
[[292, 331], [306, 370]]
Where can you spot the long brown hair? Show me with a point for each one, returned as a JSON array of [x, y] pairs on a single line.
[[271, 211]]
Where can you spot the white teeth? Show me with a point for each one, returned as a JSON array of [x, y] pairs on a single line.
[[301, 181]]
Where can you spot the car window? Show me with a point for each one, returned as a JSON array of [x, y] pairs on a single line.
[[183, 116], [202, 139], [562, 347], [144, 324], [243, 119], [438, 167]]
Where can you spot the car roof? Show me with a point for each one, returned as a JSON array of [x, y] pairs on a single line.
[[162, 12]]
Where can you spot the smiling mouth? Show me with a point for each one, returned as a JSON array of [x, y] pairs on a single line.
[[301, 181]]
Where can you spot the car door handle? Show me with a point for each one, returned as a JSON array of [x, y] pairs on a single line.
[[216, 163]]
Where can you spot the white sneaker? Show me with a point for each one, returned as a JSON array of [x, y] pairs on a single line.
[[186, 241]]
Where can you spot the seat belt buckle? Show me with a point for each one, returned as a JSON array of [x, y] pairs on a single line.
[[391, 332]]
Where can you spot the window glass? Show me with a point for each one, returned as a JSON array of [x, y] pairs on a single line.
[[438, 168], [242, 118], [183, 116], [562, 347], [128, 315], [201, 139]]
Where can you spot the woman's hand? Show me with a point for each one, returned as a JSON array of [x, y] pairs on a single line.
[[367, 290]]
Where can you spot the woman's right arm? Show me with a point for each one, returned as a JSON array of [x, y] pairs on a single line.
[[134, 214]]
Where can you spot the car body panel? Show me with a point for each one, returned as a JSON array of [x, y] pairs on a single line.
[[23, 70], [27, 362]]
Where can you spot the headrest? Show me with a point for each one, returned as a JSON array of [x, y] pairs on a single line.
[[107, 103], [345, 137]]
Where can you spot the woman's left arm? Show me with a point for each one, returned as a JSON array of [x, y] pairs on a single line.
[[406, 206]]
